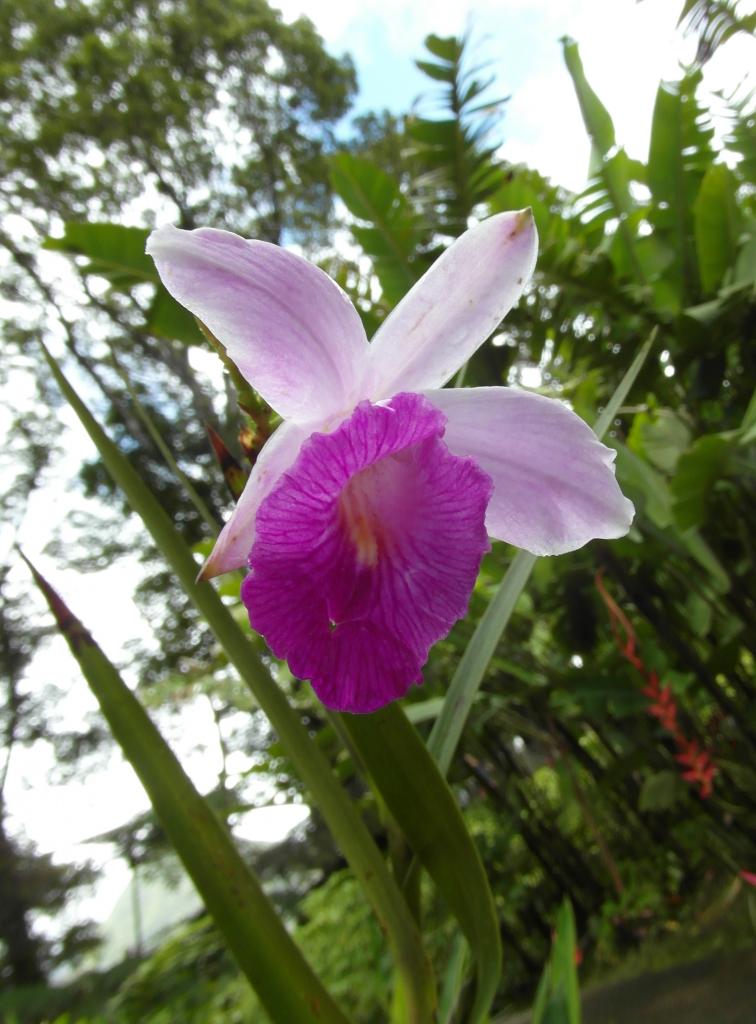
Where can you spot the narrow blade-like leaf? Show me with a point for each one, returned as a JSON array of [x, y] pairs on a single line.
[[595, 115], [420, 801], [285, 983]]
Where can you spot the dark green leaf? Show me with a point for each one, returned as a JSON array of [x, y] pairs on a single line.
[[112, 250], [447, 48], [419, 799], [717, 225], [253, 930], [441, 72], [697, 470], [167, 319], [661, 791]]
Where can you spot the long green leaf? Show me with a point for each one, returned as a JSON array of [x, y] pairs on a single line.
[[679, 153], [565, 967], [717, 225], [415, 792], [466, 681], [342, 818], [282, 978], [453, 977], [611, 169], [596, 117]]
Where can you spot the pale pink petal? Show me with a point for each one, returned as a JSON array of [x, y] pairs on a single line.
[[366, 553], [289, 328], [554, 483], [455, 306], [234, 544]]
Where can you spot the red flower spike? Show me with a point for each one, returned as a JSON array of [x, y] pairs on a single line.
[[700, 769]]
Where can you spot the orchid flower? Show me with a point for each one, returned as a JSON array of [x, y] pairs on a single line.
[[367, 513]]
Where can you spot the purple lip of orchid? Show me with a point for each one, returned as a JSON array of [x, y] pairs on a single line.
[[368, 511]]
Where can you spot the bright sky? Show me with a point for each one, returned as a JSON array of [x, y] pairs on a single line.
[[626, 48]]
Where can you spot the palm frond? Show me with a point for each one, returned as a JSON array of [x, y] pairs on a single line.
[[714, 21]]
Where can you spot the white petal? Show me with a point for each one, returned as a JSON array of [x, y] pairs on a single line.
[[455, 306], [235, 541], [554, 483], [289, 328]]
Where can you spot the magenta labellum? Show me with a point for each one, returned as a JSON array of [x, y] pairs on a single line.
[[366, 552]]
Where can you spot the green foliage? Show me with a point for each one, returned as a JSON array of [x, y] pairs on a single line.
[[715, 21], [255, 934], [558, 999], [455, 170], [697, 470], [190, 978], [661, 791], [717, 226], [159, 91], [395, 231], [341, 936], [116, 253], [741, 137]]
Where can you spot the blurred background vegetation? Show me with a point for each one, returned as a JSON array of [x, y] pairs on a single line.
[[608, 757]]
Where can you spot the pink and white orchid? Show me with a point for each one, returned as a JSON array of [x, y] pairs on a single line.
[[368, 511]]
